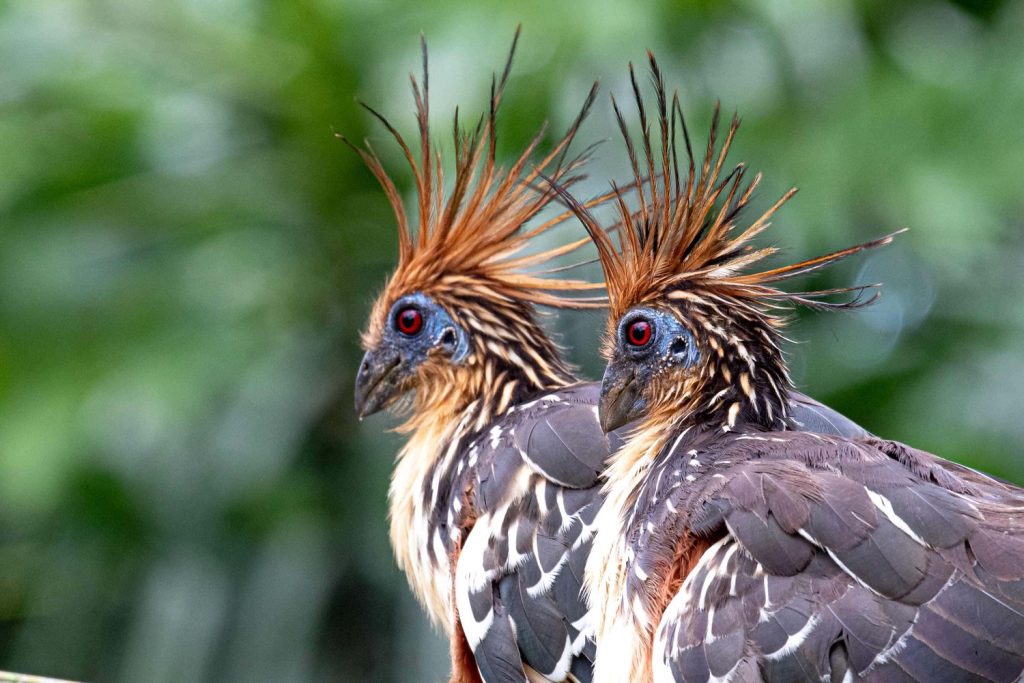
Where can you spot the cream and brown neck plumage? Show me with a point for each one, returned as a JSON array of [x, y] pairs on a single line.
[[740, 381], [510, 357]]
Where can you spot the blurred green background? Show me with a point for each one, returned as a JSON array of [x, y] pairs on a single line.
[[187, 255]]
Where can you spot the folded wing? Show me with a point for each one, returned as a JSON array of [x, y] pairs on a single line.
[[836, 558]]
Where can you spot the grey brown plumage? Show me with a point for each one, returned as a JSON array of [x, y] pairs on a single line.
[[831, 555], [532, 485], [737, 544]]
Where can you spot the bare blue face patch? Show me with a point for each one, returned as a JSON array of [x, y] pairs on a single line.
[[439, 332], [668, 344]]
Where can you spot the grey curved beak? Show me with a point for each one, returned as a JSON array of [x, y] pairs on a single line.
[[377, 381], [621, 402]]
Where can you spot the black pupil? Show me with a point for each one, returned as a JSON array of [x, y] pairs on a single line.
[[409, 321], [640, 332]]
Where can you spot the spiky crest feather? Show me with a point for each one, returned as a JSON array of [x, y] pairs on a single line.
[[685, 234], [474, 238]]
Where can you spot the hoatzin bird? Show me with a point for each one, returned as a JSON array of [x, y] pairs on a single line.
[[733, 544], [494, 495]]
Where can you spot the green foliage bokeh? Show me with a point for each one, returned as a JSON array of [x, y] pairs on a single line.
[[187, 256]]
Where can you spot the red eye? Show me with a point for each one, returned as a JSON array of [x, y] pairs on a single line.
[[639, 333], [409, 321]]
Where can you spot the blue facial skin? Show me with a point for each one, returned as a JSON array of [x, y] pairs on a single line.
[[386, 371], [671, 343], [439, 331], [632, 367]]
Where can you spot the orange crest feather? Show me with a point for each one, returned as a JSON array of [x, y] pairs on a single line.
[[474, 238], [685, 233]]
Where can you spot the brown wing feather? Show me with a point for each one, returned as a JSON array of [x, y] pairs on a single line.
[[840, 555]]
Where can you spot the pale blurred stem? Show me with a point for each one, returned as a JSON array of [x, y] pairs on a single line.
[[7, 677]]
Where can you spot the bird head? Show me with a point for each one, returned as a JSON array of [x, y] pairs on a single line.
[[458, 317], [652, 347], [417, 331], [694, 331]]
